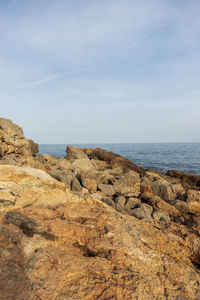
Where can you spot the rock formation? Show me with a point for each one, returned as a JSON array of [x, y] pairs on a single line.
[[95, 226], [12, 141]]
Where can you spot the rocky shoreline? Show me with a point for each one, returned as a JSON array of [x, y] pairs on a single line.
[[92, 225]]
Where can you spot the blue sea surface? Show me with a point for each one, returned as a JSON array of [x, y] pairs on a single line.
[[156, 156]]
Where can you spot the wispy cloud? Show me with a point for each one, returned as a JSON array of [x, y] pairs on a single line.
[[43, 81], [77, 56]]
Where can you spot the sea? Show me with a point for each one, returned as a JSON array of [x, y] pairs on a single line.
[[156, 156]]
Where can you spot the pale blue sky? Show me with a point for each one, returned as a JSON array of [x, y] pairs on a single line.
[[92, 71]]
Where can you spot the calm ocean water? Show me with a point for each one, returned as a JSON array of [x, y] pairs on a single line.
[[157, 156]]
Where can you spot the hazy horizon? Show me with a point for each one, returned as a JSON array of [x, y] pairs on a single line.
[[96, 72]]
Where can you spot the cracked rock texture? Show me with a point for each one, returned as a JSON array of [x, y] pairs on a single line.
[[12, 141], [57, 245], [95, 226]]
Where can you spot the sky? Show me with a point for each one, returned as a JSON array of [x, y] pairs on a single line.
[[101, 71]]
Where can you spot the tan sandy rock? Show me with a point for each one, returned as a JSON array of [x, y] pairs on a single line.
[[128, 184], [61, 246], [13, 141], [193, 196]]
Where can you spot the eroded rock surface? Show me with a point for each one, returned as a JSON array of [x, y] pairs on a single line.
[[12, 141], [95, 226], [63, 246]]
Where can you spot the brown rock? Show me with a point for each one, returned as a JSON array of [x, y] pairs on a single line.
[[100, 165], [187, 180], [113, 159], [82, 164], [13, 142], [106, 189], [34, 147], [60, 246], [193, 196], [75, 153], [143, 212], [128, 184], [90, 184], [166, 190], [1, 151], [10, 128]]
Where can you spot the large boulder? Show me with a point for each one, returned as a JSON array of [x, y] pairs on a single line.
[[13, 142]]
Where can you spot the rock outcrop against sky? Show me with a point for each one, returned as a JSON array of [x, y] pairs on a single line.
[[94, 226]]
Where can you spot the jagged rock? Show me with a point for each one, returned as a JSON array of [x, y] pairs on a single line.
[[109, 202], [182, 206], [82, 164], [132, 203], [159, 204], [120, 203], [59, 240], [66, 177], [10, 128], [75, 185], [186, 179], [126, 205], [161, 218], [166, 190], [100, 165], [113, 159], [90, 184], [146, 188], [98, 176], [128, 185], [13, 142], [118, 171], [193, 196], [60, 246], [34, 147], [75, 153], [1, 151], [26, 185], [143, 212], [106, 189]]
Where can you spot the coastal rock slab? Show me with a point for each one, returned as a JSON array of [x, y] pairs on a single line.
[[56, 245], [13, 142]]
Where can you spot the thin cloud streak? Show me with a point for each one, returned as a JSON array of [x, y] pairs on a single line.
[[42, 82], [72, 57]]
